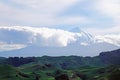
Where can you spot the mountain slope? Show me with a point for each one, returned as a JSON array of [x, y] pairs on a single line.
[[29, 41], [91, 50], [110, 57]]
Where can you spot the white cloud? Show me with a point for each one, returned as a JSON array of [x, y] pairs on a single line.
[[72, 20], [101, 31], [7, 47], [17, 37], [84, 44], [44, 36], [48, 6], [111, 38], [109, 8], [39, 13]]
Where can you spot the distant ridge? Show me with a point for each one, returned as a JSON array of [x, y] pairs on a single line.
[[66, 62], [111, 57]]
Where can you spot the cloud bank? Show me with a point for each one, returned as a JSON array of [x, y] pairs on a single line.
[[95, 14], [38, 12], [38, 36], [109, 8], [17, 37], [110, 38]]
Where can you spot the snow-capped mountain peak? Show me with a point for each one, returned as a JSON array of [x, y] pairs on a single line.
[[54, 41], [75, 30]]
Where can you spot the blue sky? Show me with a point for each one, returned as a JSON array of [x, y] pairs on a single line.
[[100, 18], [95, 16]]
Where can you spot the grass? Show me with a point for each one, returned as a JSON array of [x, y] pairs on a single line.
[[29, 72]]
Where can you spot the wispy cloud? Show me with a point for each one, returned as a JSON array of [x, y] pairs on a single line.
[[47, 6], [7, 47], [39, 12], [109, 8], [106, 9], [111, 38], [52, 13], [104, 31]]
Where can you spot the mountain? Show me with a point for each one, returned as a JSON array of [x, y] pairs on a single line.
[[29, 41], [110, 57], [76, 30]]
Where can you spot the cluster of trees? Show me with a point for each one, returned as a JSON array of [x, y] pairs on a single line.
[[17, 61], [111, 57], [68, 62]]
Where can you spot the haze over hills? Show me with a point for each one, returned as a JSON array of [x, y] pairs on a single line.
[[66, 62], [29, 41]]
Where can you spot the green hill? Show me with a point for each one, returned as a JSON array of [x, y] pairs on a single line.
[[106, 66], [82, 73]]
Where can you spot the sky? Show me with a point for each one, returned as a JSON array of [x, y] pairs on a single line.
[[53, 24], [94, 16]]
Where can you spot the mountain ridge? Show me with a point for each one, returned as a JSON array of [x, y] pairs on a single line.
[[73, 61]]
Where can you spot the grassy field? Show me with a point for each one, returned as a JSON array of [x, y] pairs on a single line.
[[42, 72]]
